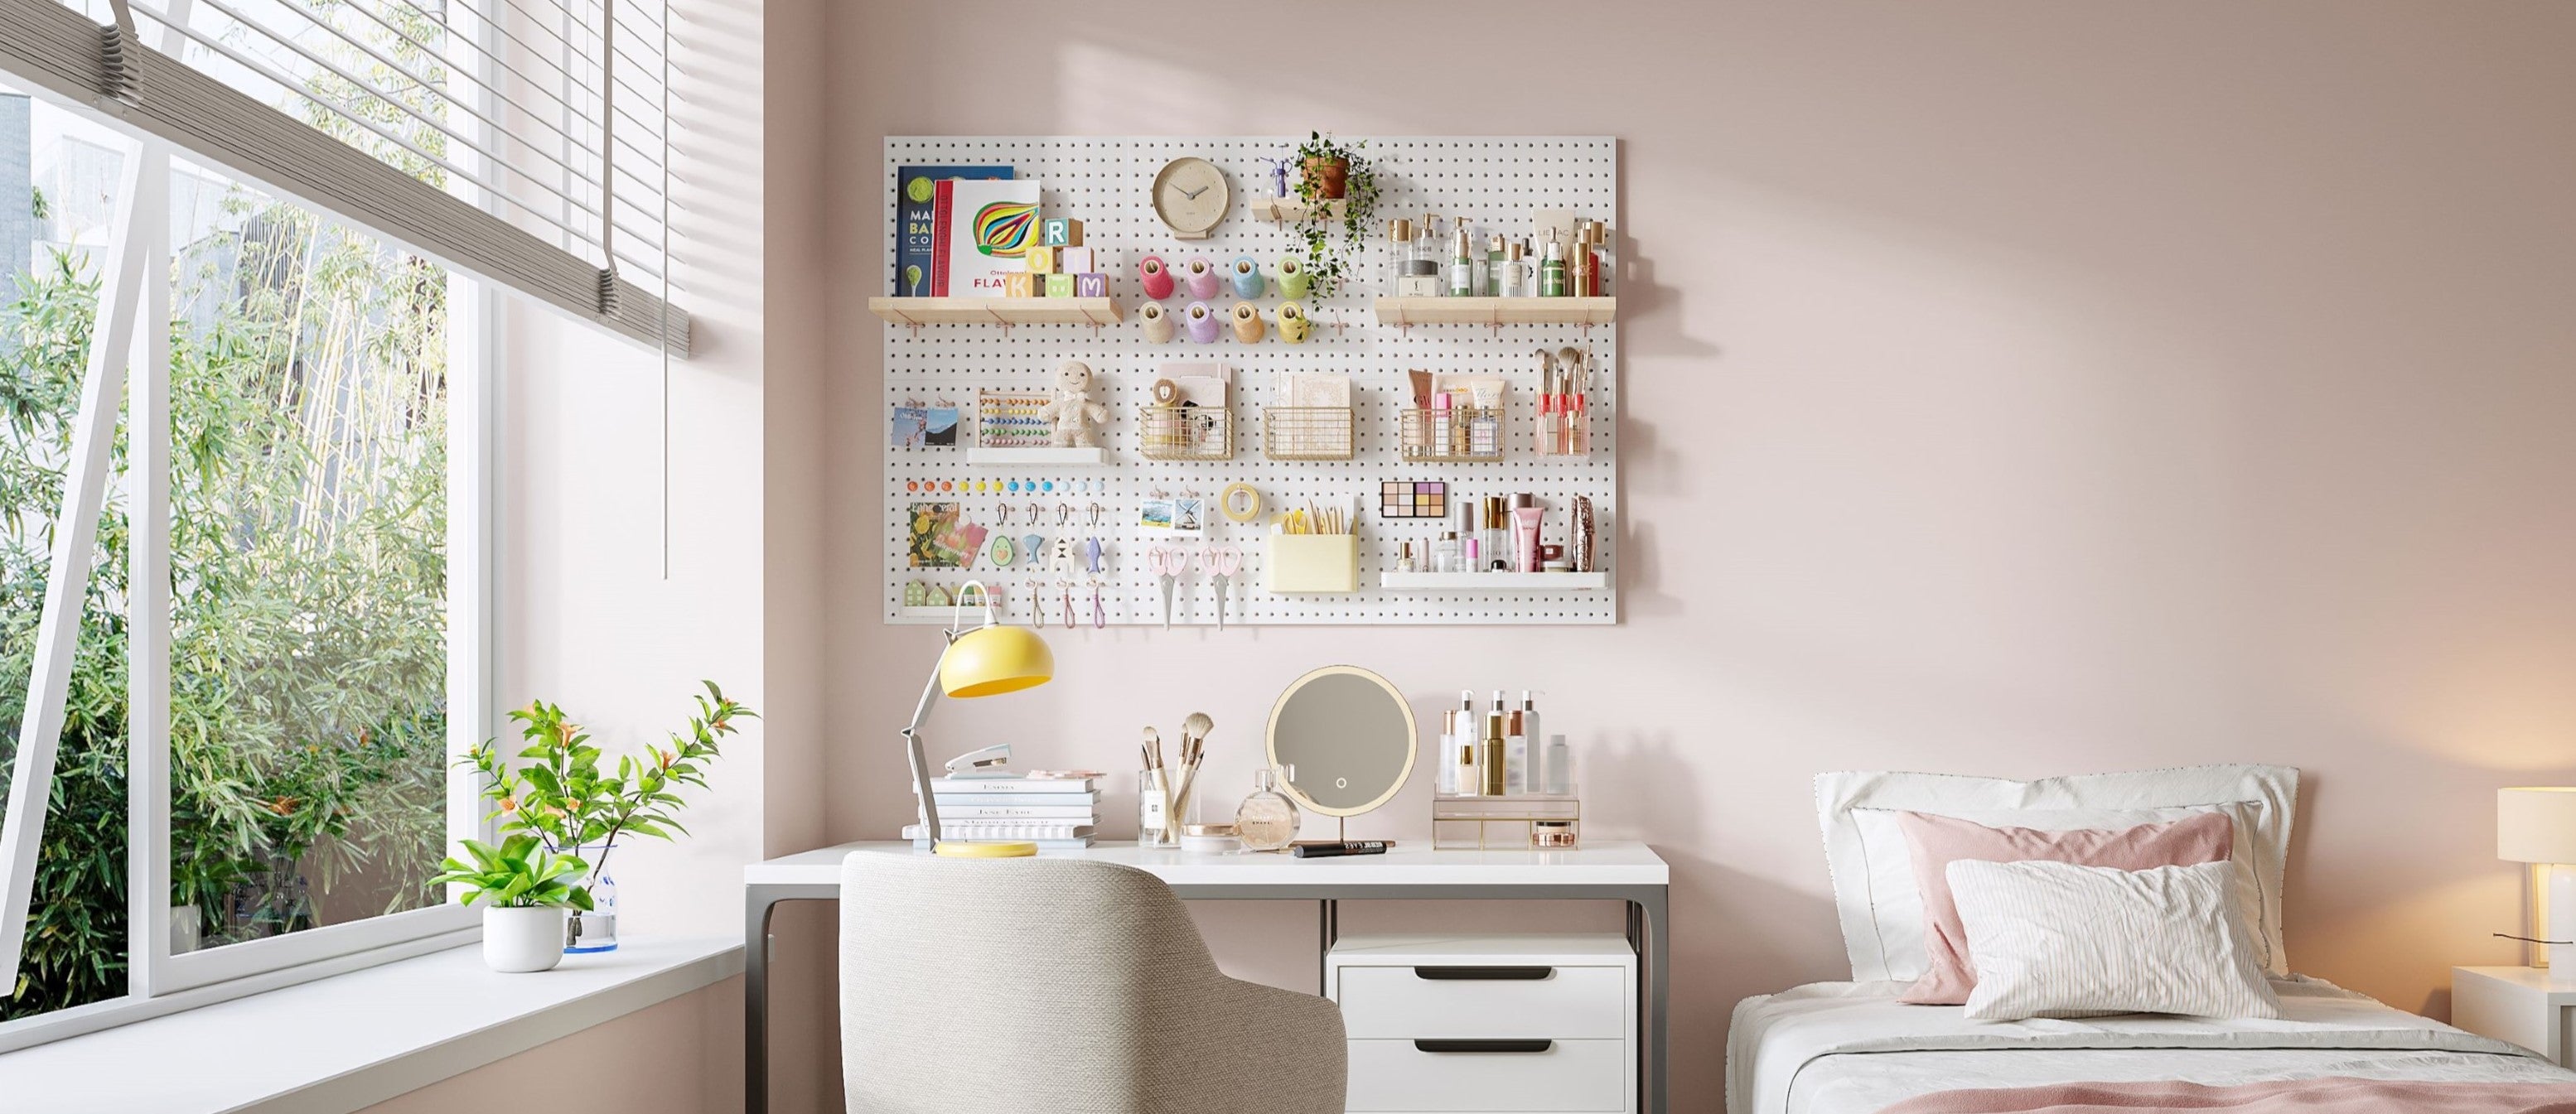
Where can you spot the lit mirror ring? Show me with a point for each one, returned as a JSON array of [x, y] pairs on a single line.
[[1350, 735]]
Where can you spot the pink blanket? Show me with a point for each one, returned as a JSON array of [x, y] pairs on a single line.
[[2293, 1096]]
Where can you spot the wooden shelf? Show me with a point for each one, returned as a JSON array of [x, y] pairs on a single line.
[[1497, 311], [1281, 210], [1493, 581], [1096, 456], [917, 312]]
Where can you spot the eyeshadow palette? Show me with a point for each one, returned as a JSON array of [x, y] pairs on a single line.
[[1413, 499]]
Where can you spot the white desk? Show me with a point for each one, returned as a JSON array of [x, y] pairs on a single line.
[[2518, 1005], [1629, 872]]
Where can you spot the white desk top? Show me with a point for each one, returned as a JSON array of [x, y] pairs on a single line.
[[1411, 863]]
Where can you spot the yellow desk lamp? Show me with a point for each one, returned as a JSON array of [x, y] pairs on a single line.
[[988, 660]]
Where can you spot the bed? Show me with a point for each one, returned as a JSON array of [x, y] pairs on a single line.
[[1852, 1048], [2049, 875]]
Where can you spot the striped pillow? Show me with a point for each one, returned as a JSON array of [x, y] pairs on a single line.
[[2054, 939]]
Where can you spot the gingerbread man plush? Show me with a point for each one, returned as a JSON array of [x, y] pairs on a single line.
[[1073, 413]]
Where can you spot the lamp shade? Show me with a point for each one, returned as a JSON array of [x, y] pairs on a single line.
[[992, 660], [2536, 824]]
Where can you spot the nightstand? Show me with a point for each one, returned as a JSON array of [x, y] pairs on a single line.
[[2521, 1005]]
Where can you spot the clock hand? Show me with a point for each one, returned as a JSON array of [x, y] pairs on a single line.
[[1194, 194]]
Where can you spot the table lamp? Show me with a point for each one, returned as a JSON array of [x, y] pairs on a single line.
[[2537, 824], [987, 660]]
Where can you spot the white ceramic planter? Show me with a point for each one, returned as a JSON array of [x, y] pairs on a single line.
[[518, 941]]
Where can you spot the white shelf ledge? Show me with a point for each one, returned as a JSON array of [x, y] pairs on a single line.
[[1493, 581], [1096, 456], [1497, 312]]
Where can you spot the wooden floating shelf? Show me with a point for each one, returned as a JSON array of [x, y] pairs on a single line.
[[1493, 581], [1049, 457], [917, 312], [1497, 311], [1281, 210]]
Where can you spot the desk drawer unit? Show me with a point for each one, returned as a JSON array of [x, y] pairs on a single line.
[[1524, 1024]]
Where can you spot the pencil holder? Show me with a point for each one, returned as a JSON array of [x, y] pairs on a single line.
[[1184, 433], [1247, 322], [1293, 279], [1456, 435], [1246, 274], [1313, 563], [1200, 322], [1294, 325], [1201, 276], [1306, 433], [1156, 319], [1563, 429], [1155, 277]]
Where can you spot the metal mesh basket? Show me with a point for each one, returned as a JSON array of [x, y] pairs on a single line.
[[1185, 433], [1307, 433]]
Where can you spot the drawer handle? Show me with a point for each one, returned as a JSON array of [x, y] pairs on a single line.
[[1484, 974], [1484, 1046]]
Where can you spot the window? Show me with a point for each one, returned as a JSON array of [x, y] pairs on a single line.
[[306, 658]]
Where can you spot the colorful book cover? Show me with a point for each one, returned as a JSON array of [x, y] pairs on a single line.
[[991, 227], [915, 211]]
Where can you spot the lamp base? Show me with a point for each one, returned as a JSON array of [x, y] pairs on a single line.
[[956, 850]]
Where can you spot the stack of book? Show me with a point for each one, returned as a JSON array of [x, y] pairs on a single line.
[[1056, 813]]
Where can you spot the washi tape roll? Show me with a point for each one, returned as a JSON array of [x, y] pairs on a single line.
[[1246, 276], [1154, 276], [1157, 321], [1240, 503], [1247, 322]]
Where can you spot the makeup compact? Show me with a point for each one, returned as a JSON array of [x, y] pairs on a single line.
[[1413, 499]]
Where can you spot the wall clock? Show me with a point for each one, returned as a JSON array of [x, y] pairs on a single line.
[[1191, 196]]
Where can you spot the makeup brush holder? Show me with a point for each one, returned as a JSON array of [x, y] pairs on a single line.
[[1185, 433], [1313, 563], [1307, 433], [1563, 435], [1457, 435]]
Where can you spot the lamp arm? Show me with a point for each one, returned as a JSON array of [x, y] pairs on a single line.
[[928, 802]]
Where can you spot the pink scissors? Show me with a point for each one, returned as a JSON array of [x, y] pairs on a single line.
[[1223, 561], [1168, 562]]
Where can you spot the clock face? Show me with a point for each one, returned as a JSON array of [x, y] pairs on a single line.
[[1191, 196]]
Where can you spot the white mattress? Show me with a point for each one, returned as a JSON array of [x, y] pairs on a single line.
[[1852, 1048]]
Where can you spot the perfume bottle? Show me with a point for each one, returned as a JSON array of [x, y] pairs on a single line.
[[1266, 820], [1553, 282]]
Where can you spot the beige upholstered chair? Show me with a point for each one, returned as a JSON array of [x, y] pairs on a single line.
[[1059, 986]]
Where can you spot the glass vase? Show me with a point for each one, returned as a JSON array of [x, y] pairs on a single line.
[[595, 929]]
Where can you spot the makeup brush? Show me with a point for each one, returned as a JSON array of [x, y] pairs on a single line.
[[1153, 748], [1194, 732]]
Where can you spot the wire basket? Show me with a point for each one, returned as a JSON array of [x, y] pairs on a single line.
[[1307, 433], [1458, 435], [1185, 432]]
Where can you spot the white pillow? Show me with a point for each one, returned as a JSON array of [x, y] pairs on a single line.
[[2062, 940], [1872, 867]]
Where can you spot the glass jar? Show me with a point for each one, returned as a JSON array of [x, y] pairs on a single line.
[[1267, 820], [1155, 826]]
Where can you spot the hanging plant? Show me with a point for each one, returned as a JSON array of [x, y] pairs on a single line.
[[1330, 172]]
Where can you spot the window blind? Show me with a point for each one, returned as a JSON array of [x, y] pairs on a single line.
[[519, 141]]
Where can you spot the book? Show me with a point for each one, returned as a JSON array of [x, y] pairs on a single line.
[[986, 228], [947, 799], [920, 844], [942, 786], [917, 240], [989, 831], [949, 813]]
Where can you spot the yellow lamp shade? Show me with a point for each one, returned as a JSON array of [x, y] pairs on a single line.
[[990, 661], [2536, 824]]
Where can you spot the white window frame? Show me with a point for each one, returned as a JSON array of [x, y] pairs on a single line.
[[135, 288]]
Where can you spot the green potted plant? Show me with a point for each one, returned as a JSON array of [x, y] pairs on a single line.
[[1334, 234], [559, 794], [525, 891]]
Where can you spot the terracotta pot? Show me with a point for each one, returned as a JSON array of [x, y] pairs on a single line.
[[1330, 176]]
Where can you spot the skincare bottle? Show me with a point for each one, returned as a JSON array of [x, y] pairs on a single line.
[[1489, 756], [1466, 740], [1405, 563], [1399, 249], [1513, 281], [1552, 280], [1444, 553], [1462, 755], [1267, 820], [1493, 541], [1527, 717], [1560, 765], [1596, 243], [1526, 520], [1516, 756], [1447, 752], [1495, 254], [1462, 262], [1580, 262]]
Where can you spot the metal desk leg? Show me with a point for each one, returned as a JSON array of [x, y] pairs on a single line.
[[1653, 908], [757, 906], [1329, 911]]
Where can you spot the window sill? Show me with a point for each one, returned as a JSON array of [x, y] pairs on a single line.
[[352, 1040]]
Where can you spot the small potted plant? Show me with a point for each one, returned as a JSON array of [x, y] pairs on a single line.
[[1334, 173], [525, 892], [560, 796]]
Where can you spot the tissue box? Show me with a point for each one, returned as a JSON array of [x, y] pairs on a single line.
[[1058, 286], [1060, 232], [1077, 260], [1091, 286], [1313, 563], [1021, 284], [1041, 261]]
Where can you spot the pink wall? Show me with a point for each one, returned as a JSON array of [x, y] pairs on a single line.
[[2012, 388]]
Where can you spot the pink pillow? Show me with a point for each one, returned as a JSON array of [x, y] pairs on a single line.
[[1937, 841]]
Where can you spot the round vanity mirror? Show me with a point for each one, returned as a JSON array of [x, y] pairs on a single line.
[[1348, 734]]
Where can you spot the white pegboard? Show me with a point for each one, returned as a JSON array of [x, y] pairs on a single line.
[[1494, 182]]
